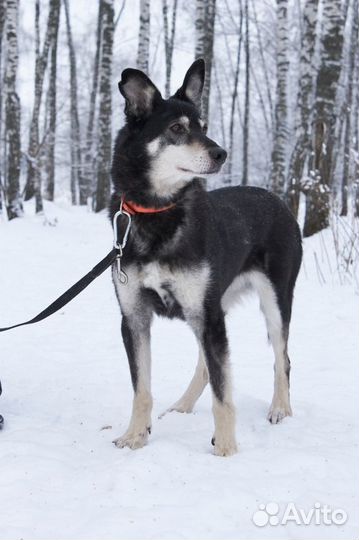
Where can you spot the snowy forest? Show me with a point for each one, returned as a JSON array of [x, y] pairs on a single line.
[[281, 94]]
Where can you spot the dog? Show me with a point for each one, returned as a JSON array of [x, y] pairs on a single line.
[[191, 254]]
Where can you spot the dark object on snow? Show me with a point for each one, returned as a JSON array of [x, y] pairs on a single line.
[[191, 254]]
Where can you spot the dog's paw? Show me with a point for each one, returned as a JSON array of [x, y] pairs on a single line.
[[132, 440], [278, 412], [179, 406], [224, 448]]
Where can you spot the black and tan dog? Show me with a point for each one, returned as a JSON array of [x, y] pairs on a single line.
[[192, 253]]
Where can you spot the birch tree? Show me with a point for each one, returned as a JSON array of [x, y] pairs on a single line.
[[105, 107], [143, 52], [304, 104], [2, 26], [261, 53], [12, 113], [349, 102], [169, 36], [90, 154], [33, 181], [278, 169], [234, 95], [246, 101], [204, 25], [319, 187], [356, 133], [49, 184], [78, 185]]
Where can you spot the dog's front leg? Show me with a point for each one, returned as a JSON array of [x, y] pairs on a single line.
[[136, 337], [215, 347]]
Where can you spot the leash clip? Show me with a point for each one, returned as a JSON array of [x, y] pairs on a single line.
[[118, 245]]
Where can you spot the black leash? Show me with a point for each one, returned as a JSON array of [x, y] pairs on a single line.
[[114, 255], [73, 291], [70, 294]]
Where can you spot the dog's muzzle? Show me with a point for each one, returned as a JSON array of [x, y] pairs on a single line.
[[218, 155]]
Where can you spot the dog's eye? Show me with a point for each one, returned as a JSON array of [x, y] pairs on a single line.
[[204, 128], [177, 128]]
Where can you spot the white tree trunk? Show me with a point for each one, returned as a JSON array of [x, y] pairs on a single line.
[[304, 104], [228, 177], [90, 153], [78, 186], [318, 191], [105, 107], [12, 112], [356, 131], [2, 164], [278, 170], [204, 24], [246, 101], [348, 135], [49, 185], [143, 52], [169, 35], [33, 182]]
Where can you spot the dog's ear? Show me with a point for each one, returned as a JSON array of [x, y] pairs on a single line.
[[191, 89], [140, 93]]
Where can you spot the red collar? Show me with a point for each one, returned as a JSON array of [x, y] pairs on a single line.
[[133, 208]]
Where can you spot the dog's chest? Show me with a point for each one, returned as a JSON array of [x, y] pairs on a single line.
[[185, 286]]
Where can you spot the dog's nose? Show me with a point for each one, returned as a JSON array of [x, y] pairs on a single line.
[[218, 154]]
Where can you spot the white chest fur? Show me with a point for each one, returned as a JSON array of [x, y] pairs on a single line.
[[188, 286]]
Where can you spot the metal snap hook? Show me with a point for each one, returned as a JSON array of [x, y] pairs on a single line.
[[120, 245]]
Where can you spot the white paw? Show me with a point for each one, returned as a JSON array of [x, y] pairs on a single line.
[[278, 412], [179, 406], [224, 448], [132, 440]]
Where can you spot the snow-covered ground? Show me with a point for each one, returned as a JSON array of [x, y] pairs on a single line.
[[67, 394]]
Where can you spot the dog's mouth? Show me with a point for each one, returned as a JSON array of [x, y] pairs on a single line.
[[212, 170]]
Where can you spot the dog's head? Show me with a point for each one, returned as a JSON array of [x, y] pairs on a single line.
[[171, 132]]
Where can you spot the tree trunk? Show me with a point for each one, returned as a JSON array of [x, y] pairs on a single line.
[[356, 133], [228, 180], [105, 108], [90, 162], [319, 188], [205, 19], [169, 35], [33, 182], [261, 52], [246, 102], [12, 112], [49, 187], [219, 102], [78, 186], [143, 52], [2, 25], [278, 169], [304, 104], [349, 108]]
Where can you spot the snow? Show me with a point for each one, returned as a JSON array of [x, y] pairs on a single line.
[[67, 378]]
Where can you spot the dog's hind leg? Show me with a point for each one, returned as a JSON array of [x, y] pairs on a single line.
[[198, 383], [277, 328], [136, 337]]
